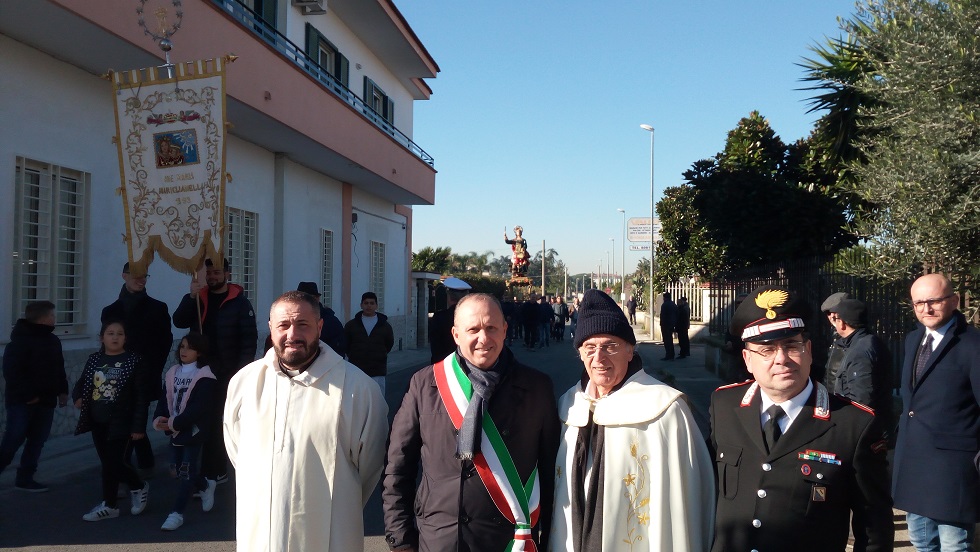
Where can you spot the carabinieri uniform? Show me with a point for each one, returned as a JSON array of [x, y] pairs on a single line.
[[830, 462]]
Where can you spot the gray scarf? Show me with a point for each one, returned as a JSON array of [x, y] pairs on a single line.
[[484, 383]]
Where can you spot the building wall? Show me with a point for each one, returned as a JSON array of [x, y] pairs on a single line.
[[358, 54], [53, 112]]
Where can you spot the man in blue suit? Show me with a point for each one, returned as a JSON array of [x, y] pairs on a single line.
[[935, 476]]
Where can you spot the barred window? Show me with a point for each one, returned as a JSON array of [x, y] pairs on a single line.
[[50, 240], [241, 248], [377, 283], [326, 269]]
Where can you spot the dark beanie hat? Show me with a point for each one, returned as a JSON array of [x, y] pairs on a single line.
[[599, 314]]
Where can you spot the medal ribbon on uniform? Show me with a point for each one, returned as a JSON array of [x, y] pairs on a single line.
[[518, 502]]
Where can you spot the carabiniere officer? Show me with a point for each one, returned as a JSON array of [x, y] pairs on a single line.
[[793, 461]]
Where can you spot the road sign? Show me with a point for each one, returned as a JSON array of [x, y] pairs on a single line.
[[638, 230]]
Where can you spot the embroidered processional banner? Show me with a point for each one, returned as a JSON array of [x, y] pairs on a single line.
[[171, 137]]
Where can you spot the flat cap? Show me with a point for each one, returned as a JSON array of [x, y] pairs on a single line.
[[830, 303]]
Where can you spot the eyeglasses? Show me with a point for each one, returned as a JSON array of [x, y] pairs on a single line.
[[793, 349], [609, 349], [929, 303]]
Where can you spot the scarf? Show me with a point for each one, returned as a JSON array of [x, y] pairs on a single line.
[[484, 383], [587, 503]]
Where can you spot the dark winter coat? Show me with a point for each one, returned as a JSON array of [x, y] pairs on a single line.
[[441, 341], [451, 509], [939, 430], [33, 365], [148, 332], [198, 409], [332, 332], [864, 374], [683, 322], [128, 411], [668, 315], [529, 313], [236, 337], [369, 352]]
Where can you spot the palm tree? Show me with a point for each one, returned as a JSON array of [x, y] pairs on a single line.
[[839, 66], [432, 260]]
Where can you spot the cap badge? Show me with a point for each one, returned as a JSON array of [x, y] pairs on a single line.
[[769, 299]]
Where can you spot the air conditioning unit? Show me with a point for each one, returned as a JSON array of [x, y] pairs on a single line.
[[311, 7]]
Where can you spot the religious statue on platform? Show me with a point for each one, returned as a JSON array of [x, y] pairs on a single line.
[[520, 258]]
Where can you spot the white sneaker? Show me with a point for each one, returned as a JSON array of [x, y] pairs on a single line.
[[207, 495], [138, 499], [101, 512], [174, 520]]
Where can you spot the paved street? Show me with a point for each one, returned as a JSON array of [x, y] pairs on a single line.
[[52, 521]]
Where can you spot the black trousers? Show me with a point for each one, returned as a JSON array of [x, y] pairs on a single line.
[[683, 342], [668, 335], [115, 468]]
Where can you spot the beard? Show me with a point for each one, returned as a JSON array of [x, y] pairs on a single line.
[[215, 286], [295, 358]]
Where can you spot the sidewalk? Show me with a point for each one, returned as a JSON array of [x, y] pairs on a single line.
[[67, 455], [690, 376]]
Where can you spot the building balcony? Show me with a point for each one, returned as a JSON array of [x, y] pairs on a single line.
[[277, 97]]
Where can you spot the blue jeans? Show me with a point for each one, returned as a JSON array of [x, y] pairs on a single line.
[[931, 535], [184, 461], [27, 424]]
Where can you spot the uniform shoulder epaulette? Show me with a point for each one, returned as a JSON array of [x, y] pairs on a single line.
[[731, 385]]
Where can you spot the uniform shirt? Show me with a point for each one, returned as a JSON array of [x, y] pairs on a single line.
[[792, 407]]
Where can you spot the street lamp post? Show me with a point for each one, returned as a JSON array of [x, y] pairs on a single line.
[[612, 265], [653, 214], [622, 296]]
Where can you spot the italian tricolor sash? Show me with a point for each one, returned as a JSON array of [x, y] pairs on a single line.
[[518, 502]]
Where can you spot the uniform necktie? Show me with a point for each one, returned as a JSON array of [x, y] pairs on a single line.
[[771, 429], [922, 357]]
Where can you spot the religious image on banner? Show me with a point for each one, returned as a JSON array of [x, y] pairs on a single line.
[[171, 137]]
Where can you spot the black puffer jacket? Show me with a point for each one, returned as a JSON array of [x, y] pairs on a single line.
[[369, 352], [236, 337], [33, 365]]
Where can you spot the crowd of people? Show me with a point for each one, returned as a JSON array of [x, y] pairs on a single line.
[[133, 368], [480, 455]]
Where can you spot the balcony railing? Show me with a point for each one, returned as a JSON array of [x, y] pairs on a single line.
[[272, 37]]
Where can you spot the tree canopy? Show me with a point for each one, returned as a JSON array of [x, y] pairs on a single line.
[[757, 201], [921, 134]]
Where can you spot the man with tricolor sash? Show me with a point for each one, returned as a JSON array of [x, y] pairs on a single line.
[[485, 430]]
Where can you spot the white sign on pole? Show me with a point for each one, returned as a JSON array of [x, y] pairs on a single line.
[[638, 230]]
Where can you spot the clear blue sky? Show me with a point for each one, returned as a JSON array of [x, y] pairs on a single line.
[[535, 117]]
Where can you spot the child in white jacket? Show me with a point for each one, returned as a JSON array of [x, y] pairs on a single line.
[[184, 412]]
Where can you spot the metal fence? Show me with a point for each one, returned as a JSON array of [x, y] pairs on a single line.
[[695, 297], [889, 312]]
